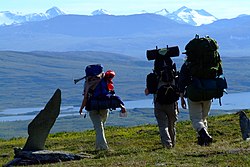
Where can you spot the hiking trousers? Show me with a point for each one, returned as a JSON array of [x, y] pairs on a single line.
[[198, 113], [166, 116], [98, 119]]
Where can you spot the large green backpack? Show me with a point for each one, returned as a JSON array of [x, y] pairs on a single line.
[[203, 57]]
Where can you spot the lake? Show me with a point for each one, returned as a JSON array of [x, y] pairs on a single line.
[[234, 101]]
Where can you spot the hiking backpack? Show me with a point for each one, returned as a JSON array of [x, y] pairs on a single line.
[[164, 71], [202, 89], [205, 65], [102, 98], [103, 95], [203, 57], [167, 94]]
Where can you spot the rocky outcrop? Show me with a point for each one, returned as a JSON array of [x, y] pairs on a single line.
[[41, 125], [24, 158], [38, 130]]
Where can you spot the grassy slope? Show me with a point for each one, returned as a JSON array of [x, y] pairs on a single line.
[[140, 146]]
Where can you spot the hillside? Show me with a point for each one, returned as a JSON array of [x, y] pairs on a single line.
[[29, 78], [140, 146]]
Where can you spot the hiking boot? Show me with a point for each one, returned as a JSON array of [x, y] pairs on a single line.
[[168, 146], [200, 141], [206, 139]]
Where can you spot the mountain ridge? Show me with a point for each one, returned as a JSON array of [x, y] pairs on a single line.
[[131, 35], [8, 18]]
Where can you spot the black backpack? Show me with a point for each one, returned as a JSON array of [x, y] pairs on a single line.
[[152, 82], [167, 94], [165, 71]]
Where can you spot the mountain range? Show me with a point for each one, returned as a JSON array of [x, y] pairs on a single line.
[[8, 18], [183, 15], [124, 34]]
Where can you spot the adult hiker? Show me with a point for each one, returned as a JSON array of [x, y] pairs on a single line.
[[200, 81], [98, 99], [162, 84]]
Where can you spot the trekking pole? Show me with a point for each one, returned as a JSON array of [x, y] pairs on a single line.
[[79, 79]]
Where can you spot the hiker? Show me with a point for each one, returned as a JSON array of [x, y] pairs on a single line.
[[201, 69], [98, 95], [162, 84]]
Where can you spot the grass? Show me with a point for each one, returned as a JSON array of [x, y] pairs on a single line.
[[140, 146]]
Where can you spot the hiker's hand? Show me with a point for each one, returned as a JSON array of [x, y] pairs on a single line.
[[80, 111], [123, 110], [183, 103], [146, 91]]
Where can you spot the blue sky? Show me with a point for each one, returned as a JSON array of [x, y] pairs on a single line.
[[218, 8]]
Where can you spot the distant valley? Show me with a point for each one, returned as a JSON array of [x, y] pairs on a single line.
[[28, 79]]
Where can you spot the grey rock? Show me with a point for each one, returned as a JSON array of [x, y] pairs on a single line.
[[244, 125], [41, 125], [24, 158]]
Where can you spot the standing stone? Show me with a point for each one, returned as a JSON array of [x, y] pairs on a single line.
[[41, 125], [244, 125]]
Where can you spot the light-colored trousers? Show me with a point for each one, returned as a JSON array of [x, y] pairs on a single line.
[[198, 112], [166, 116], [98, 119]]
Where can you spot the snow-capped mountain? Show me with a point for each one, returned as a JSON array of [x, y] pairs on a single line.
[[183, 15], [53, 12], [8, 18], [100, 12], [162, 12], [186, 15], [191, 16]]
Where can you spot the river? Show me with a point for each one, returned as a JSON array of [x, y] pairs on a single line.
[[234, 101]]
